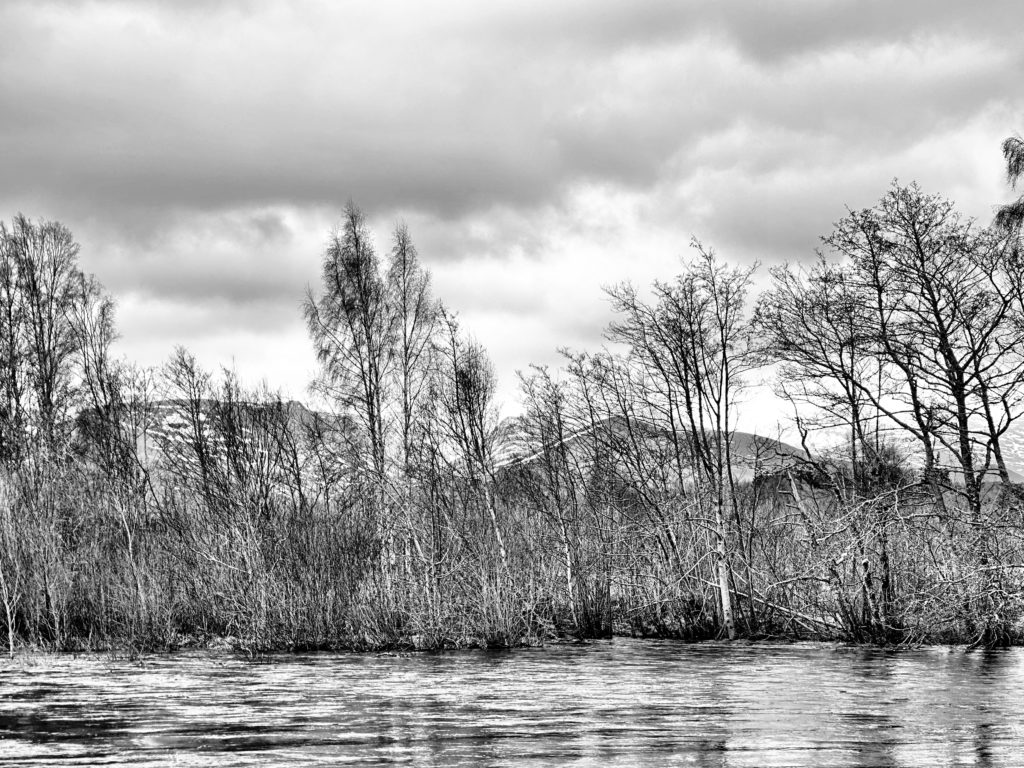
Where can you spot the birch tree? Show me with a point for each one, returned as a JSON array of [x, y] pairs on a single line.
[[44, 257], [695, 341], [415, 324], [353, 330]]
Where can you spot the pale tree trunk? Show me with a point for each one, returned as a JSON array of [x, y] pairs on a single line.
[[722, 558], [10, 597], [129, 537], [493, 513]]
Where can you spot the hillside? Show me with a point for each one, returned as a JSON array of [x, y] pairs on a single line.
[[751, 454], [1012, 445], [164, 425]]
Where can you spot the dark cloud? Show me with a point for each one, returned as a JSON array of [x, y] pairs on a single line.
[[784, 30], [122, 106], [202, 151], [243, 259]]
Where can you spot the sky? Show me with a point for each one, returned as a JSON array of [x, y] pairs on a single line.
[[202, 152]]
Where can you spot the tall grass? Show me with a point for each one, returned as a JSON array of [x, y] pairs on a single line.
[[264, 559]]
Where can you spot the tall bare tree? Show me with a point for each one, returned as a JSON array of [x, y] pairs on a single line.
[[813, 322], [102, 411], [415, 324], [942, 323], [706, 309], [12, 350], [353, 329], [693, 346], [46, 262], [465, 390]]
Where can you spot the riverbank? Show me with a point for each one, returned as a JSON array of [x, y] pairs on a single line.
[[187, 643]]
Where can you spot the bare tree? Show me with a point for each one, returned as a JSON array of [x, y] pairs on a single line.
[[102, 406], [45, 259], [47, 274], [12, 350], [942, 324], [415, 322], [914, 327], [691, 349], [353, 328], [465, 390], [813, 322], [706, 312], [554, 485]]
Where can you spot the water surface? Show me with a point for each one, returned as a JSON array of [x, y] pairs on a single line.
[[619, 702]]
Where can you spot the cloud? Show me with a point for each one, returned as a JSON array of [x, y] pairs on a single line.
[[775, 32], [143, 106], [202, 152], [235, 256]]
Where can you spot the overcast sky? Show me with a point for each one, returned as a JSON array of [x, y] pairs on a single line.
[[201, 152]]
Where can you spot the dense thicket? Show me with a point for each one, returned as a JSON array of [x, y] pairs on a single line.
[[156, 508]]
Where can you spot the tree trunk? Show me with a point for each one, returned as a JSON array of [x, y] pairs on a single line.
[[725, 593]]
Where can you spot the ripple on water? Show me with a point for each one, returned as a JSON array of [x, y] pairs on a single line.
[[620, 702]]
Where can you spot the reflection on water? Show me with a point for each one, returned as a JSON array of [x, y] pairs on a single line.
[[620, 702]]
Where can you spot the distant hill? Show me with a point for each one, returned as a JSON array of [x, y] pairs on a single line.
[[751, 454], [165, 424], [1012, 446]]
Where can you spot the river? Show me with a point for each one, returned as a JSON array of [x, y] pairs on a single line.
[[617, 702]]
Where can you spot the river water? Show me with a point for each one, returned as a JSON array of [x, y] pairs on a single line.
[[617, 702]]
